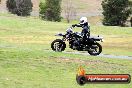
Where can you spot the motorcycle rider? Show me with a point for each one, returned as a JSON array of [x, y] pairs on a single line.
[[85, 28]]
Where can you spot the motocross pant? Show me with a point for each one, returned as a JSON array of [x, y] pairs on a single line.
[[86, 34]]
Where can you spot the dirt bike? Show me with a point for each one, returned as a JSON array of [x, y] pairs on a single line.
[[76, 42]]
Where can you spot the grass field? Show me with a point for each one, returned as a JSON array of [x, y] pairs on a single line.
[[26, 60]]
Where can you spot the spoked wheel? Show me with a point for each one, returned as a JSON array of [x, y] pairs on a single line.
[[95, 49], [58, 45]]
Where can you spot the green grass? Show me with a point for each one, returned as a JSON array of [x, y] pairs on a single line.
[[33, 67], [26, 60]]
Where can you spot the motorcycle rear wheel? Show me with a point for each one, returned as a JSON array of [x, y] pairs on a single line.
[[95, 51], [58, 45]]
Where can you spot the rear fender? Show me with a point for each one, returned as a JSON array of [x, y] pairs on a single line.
[[97, 39]]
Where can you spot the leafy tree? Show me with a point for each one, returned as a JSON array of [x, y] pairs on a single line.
[[50, 10], [19, 7], [116, 12]]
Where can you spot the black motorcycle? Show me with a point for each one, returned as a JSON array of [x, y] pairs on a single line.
[[76, 42]]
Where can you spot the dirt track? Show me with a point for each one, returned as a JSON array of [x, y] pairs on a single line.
[[104, 55], [101, 55]]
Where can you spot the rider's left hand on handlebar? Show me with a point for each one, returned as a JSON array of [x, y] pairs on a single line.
[[73, 25]]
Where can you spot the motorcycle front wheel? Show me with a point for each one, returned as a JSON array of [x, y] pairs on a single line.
[[95, 49], [58, 45]]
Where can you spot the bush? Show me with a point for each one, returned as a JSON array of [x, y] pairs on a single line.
[[20, 7], [50, 10], [116, 12]]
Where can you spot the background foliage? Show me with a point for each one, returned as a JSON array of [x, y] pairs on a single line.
[[50, 10], [20, 7], [116, 12]]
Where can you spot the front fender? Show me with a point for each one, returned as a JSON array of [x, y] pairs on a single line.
[[60, 34]]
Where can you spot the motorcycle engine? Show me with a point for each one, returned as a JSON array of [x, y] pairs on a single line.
[[76, 45]]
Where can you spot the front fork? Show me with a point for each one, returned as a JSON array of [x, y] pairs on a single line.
[[63, 39]]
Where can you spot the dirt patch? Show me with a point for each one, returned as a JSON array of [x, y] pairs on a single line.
[[86, 62], [91, 65]]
